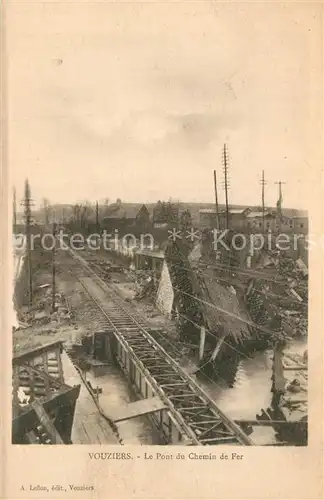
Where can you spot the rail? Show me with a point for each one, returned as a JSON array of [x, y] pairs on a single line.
[[199, 420]]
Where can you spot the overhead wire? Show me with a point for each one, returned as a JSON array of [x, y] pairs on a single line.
[[218, 278], [224, 311], [213, 335], [249, 272], [213, 382]]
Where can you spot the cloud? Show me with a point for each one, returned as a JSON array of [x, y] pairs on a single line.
[[201, 129], [146, 98]]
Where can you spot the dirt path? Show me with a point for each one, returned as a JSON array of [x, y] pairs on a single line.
[[75, 316]]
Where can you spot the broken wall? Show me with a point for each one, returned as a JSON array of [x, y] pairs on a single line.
[[165, 293]]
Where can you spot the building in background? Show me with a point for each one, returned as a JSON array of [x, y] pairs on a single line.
[[300, 224], [120, 216], [252, 221], [236, 218]]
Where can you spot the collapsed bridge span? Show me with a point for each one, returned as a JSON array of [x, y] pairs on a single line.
[[188, 415]]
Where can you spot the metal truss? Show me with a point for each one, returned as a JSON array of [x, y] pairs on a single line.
[[195, 412]]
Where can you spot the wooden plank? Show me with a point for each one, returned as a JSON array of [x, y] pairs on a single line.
[[45, 370], [222, 439], [181, 384], [28, 419], [33, 353], [162, 365], [137, 409], [190, 408], [89, 427], [202, 342], [279, 379], [46, 422], [204, 422], [60, 367], [180, 396], [264, 423], [217, 349], [294, 368], [52, 381]]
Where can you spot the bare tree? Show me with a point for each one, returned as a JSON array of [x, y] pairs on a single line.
[[186, 220], [83, 214]]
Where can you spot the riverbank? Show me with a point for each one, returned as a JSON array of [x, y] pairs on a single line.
[[73, 318]]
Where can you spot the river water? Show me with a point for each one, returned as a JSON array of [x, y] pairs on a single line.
[[114, 385], [251, 390], [250, 393]]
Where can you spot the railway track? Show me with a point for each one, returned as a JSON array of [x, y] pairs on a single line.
[[194, 413]]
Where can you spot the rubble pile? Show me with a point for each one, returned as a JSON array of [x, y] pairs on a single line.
[[294, 402], [294, 323], [256, 308], [286, 266], [41, 312], [146, 284], [286, 299], [104, 268], [295, 317]]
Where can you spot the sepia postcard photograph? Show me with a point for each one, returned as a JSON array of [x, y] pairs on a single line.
[[163, 177]]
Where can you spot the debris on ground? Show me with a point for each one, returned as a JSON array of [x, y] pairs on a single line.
[[287, 297]]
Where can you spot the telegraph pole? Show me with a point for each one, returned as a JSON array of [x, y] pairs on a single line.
[[263, 183], [54, 267], [97, 217], [27, 203], [279, 204], [225, 170], [46, 211], [216, 201]]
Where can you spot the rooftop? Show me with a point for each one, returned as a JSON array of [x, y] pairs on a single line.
[[207, 211], [124, 211], [251, 215], [34, 364], [238, 210], [39, 392], [233, 211]]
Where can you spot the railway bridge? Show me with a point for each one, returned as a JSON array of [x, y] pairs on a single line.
[[177, 406]]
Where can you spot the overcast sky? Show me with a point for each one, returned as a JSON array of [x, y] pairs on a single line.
[[135, 101]]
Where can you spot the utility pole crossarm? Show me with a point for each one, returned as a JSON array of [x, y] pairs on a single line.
[[263, 183], [97, 217]]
